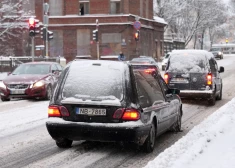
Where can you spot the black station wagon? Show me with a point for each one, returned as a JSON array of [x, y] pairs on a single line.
[[113, 102], [196, 74]]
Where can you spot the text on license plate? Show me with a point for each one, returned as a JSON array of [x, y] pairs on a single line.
[[18, 91], [91, 111], [179, 80]]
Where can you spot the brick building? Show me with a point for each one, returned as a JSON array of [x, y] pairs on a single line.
[[73, 21]]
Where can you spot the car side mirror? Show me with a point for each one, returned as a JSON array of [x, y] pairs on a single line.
[[221, 69], [56, 72], [9, 73]]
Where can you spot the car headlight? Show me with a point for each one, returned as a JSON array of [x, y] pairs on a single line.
[[2, 85], [39, 84], [220, 53]]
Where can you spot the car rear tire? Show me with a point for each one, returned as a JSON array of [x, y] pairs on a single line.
[[149, 143], [177, 126], [48, 92], [64, 143], [5, 99], [219, 97], [212, 100]]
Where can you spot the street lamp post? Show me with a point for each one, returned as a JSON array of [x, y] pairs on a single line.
[[46, 22]]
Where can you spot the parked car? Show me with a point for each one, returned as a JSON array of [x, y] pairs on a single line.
[[217, 52], [31, 80], [145, 59], [165, 60], [196, 74], [112, 101]]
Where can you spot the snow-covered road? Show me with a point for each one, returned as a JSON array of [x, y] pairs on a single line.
[[24, 141]]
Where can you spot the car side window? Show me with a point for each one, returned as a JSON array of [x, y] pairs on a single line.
[[216, 67], [59, 67], [151, 87], [163, 84], [213, 65], [53, 68], [143, 97]]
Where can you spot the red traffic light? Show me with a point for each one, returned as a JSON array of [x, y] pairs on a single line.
[[31, 21], [137, 35]]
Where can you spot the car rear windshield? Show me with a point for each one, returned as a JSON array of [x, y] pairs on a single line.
[[215, 49], [187, 62], [94, 82], [140, 60], [144, 67], [32, 69]]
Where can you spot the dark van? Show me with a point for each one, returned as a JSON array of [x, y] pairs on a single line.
[[196, 74]]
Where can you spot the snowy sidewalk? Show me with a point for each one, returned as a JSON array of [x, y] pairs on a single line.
[[3, 75], [210, 144]]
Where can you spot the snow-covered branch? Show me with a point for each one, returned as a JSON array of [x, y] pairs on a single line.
[[188, 18]]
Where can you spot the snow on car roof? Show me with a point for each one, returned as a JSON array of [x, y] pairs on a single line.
[[185, 61], [202, 52], [96, 79]]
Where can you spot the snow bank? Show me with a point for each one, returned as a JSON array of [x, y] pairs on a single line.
[[193, 150]]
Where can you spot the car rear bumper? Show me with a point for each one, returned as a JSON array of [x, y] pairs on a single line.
[[217, 56], [206, 94], [106, 132]]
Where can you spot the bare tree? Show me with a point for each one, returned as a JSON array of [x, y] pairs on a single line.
[[188, 18], [13, 22]]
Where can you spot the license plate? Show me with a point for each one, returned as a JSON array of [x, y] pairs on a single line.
[[179, 80], [91, 111], [18, 91]]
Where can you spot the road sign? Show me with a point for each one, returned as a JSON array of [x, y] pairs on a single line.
[[137, 25]]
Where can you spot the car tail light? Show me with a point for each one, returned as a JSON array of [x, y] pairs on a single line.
[[57, 111], [63, 111], [166, 78], [118, 113], [127, 114], [149, 70], [131, 115], [209, 79]]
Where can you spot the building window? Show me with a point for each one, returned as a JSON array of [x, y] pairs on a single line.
[[56, 7], [84, 7], [115, 7]]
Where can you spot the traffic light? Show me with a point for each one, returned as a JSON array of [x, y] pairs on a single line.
[[49, 35], [44, 32], [33, 27], [95, 35], [226, 40], [137, 35]]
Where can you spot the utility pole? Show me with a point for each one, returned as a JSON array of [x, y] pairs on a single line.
[[46, 22], [97, 43], [32, 48]]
